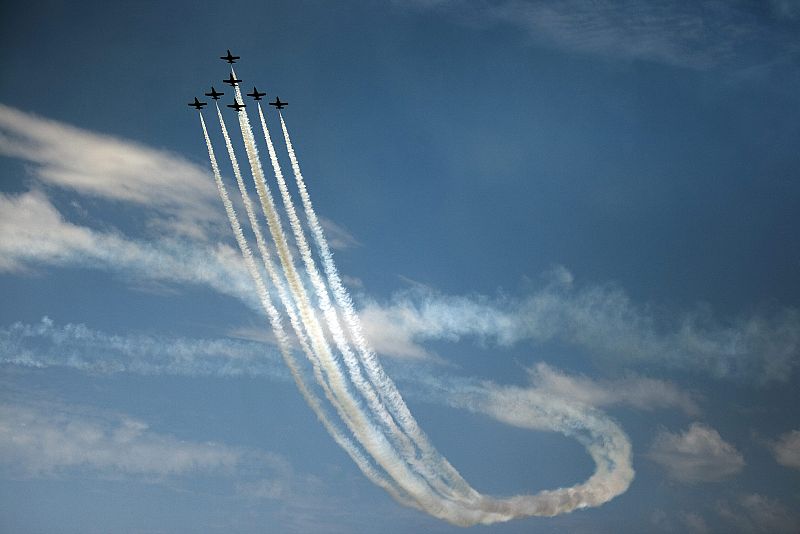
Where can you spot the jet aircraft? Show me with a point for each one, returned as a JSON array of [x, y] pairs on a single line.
[[197, 104], [278, 104], [256, 95], [233, 82], [237, 106], [214, 93], [229, 58]]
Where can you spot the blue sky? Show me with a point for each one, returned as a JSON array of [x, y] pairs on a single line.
[[535, 205]]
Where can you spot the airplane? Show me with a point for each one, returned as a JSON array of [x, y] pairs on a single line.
[[229, 58], [197, 104], [278, 104], [214, 93], [232, 81], [237, 106], [256, 95]]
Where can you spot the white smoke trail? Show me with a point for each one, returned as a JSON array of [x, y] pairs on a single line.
[[283, 341], [388, 391], [604, 440], [396, 434], [349, 408], [428, 482]]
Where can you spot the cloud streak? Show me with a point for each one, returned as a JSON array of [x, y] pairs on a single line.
[[696, 35], [42, 440], [697, 455], [787, 449], [77, 346], [33, 234], [102, 166], [601, 320]]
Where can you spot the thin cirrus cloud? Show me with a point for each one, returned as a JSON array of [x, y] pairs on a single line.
[[599, 319], [640, 393], [697, 455], [76, 346], [756, 513], [787, 449], [114, 169], [42, 440], [696, 35], [33, 233]]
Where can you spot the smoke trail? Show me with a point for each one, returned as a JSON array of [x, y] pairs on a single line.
[[441, 491], [604, 440], [388, 391], [348, 406], [283, 342], [396, 434]]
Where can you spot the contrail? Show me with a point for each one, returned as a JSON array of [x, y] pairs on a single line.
[[348, 406], [283, 341]]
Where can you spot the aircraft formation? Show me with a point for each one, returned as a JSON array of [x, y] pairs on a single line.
[[233, 82]]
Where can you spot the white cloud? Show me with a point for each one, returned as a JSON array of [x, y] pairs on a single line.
[[755, 513], [107, 167], [599, 319], [48, 439], [79, 347], [34, 233], [787, 449], [698, 35], [338, 236], [697, 455], [637, 392]]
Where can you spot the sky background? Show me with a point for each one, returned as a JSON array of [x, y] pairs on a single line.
[[592, 201]]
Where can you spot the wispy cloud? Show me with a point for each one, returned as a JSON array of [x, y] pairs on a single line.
[[41, 440], [697, 455], [787, 449], [600, 319], [177, 194], [77, 346], [753, 513], [34, 234], [637, 392], [698, 35], [338, 236]]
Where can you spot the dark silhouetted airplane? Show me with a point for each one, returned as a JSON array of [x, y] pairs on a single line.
[[256, 95], [232, 81], [214, 93], [278, 104], [197, 104], [237, 106], [229, 58]]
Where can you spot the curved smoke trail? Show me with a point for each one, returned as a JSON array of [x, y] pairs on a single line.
[[284, 344], [371, 407], [349, 407], [389, 392], [395, 433]]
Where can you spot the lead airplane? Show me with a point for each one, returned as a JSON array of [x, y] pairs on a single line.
[[233, 82], [256, 95], [236, 105], [229, 58], [214, 93], [197, 104], [278, 104]]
